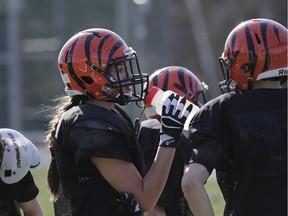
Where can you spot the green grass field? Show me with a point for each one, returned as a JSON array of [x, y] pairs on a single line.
[[215, 196], [40, 179]]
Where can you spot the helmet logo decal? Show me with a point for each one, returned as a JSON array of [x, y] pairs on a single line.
[[283, 72], [16, 149]]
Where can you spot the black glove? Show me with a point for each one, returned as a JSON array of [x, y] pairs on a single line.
[[127, 204], [173, 119]]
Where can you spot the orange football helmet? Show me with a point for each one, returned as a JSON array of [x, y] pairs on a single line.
[[179, 80], [86, 59], [254, 50]]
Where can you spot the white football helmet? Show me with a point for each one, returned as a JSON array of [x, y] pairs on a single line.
[[19, 156]]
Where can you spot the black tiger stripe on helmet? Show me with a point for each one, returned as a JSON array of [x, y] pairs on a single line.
[[84, 61], [179, 80], [255, 49]]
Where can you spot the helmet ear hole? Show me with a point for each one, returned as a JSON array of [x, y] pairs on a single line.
[[244, 68], [87, 79]]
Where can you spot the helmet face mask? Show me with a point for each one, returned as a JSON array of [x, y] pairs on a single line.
[[121, 74], [85, 62], [255, 49], [227, 84]]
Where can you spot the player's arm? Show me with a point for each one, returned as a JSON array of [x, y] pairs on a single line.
[[124, 177], [157, 211], [31, 208], [193, 181]]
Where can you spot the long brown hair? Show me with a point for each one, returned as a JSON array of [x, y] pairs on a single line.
[[64, 103]]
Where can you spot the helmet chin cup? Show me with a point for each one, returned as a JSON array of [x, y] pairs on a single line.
[[232, 86], [228, 86]]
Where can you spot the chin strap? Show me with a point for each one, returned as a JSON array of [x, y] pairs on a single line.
[[250, 82]]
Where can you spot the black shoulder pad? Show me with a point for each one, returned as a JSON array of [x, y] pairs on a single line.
[[97, 124], [91, 137]]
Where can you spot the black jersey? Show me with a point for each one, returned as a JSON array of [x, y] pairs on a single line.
[[171, 198], [87, 131], [243, 136], [10, 194]]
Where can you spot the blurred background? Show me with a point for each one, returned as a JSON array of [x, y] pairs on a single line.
[[188, 33]]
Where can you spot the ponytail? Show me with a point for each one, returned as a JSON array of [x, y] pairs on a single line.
[[66, 103]]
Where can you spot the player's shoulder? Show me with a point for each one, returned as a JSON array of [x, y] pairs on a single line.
[[85, 112]]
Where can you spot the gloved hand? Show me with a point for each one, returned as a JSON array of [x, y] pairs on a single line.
[[173, 118], [127, 204]]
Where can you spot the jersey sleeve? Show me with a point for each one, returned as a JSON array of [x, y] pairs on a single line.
[[26, 188], [149, 140], [206, 137], [90, 142]]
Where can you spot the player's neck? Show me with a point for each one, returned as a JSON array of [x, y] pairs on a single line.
[[105, 104], [267, 84]]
